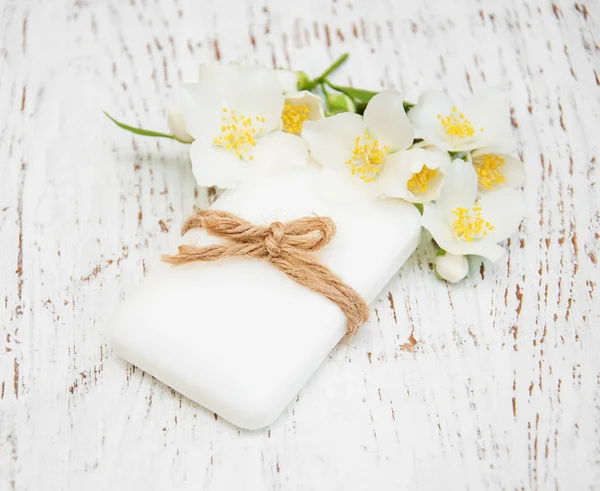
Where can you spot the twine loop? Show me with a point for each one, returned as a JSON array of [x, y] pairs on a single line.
[[287, 246]]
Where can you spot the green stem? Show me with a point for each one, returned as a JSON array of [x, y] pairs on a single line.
[[332, 68], [361, 96], [141, 131]]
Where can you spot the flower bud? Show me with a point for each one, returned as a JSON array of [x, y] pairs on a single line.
[[177, 125], [302, 79], [340, 103], [451, 267]]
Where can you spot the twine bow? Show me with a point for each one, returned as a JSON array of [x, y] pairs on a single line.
[[287, 246]]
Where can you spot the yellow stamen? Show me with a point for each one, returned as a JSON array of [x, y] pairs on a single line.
[[420, 181], [469, 224], [238, 132], [293, 117], [367, 158], [489, 170], [457, 125]]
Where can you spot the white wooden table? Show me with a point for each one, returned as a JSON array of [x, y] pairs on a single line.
[[501, 390]]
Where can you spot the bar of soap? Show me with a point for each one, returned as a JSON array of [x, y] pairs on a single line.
[[238, 336]]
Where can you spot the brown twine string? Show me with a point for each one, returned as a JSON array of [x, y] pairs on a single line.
[[287, 246]]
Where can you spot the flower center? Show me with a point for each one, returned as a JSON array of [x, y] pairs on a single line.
[[293, 117], [420, 181], [238, 132], [469, 225], [489, 170], [457, 125], [367, 157]]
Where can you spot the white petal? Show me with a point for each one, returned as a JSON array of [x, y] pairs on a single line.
[[434, 159], [395, 174], [434, 221], [418, 158], [343, 187], [201, 112], [424, 117], [313, 101], [213, 166], [259, 94], [451, 267], [512, 169], [331, 140], [202, 102], [437, 158], [490, 110], [248, 91], [387, 121], [432, 192], [437, 226], [287, 79], [481, 247], [504, 209], [278, 150], [507, 147], [399, 168], [177, 125], [459, 188]]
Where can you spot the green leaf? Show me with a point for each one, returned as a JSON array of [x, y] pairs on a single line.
[[141, 131], [419, 206], [360, 107], [361, 95], [339, 103]]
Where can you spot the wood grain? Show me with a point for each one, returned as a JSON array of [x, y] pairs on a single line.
[[490, 384]]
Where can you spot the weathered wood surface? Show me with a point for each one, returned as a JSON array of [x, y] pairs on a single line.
[[502, 389]]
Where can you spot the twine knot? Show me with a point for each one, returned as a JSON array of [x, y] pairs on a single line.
[[285, 245], [273, 240]]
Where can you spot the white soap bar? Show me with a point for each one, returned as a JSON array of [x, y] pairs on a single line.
[[238, 336]]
